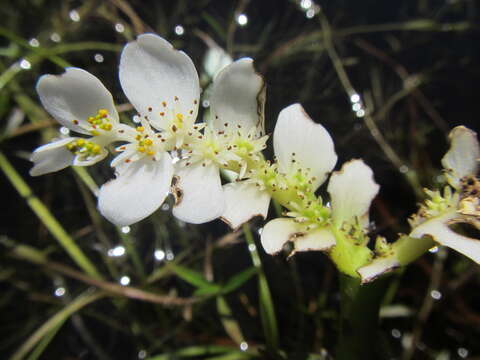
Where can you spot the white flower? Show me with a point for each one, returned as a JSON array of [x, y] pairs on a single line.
[[461, 164], [455, 205], [351, 190], [163, 86], [79, 101], [305, 154], [234, 135]]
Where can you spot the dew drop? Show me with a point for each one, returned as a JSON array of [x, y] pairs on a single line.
[[74, 15], [242, 19], [119, 28]]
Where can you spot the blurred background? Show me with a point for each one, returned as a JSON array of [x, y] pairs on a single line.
[[387, 79]]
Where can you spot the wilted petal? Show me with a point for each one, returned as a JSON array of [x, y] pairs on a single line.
[[200, 196], [152, 72], [276, 233], [139, 189], [320, 239], [74, 96], [438, 229], [51, 157], [377, 267], [352, 189], [243, 202], [238, 98], [462, 157], [297, 137]]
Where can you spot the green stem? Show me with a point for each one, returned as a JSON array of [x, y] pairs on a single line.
[[47, 219], [267, 309], [359, 318], [58, 319]]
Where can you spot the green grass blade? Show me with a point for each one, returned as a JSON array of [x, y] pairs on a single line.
[[59, 318], [48, 219]]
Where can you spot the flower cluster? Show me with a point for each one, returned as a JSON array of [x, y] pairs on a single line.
[[168, 151]]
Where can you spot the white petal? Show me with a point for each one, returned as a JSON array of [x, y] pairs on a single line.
[[75, 95], [202, 199], [243, 202], [462, 157], [377, 267], [276, 233], [152, 72], [352, 189], [320, 239], [80, 161], [295, 133], [137, 192], [438, 229], [238, 98], [215, 60], [51, 157]]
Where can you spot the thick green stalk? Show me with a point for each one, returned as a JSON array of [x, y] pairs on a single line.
[[47, 219], [359, 319]]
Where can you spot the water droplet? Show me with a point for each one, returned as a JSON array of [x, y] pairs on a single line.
[[306, 4], [243, 346], [360, 113], [124, 280], [259, 231], [310, 13], [462, 352], [142, 354], [165, 207], [179, 30], [435, 294], [355, 98], [252, 247], [433, 250], [205, 103], [64, 130], [25, 64], [98, 58], [60, 291], [74, 15], [34, 42], [125, 229], [116, 251], [136, 119], [159, 254], [119, 28], [242, 19], [396, 333], [170, 256], [403, 169], [55, 37]]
